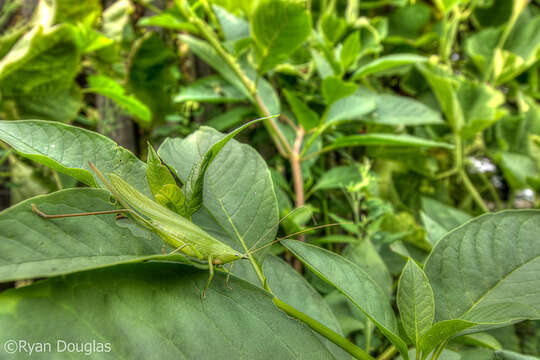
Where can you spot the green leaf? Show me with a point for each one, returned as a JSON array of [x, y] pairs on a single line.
[[211, 89], [518, 169], [480, 339], [374, 139], [103, 85], [350, 50], [33, 247], [365, 255], [67, 149], [234, 28], [415, 302], [488, 258], [332, 27], [117, 20], [74, 11], [387, 62], [278, 27], [155, 310], [351, 107], [400, 110], [59, 105], [440, 332], [306, 117], [38, 72], [292, 288], [333, 89], [340, 177], [210, 56], [238, 189], [439, 218], [354, 283], [168, 20], [42, 60]]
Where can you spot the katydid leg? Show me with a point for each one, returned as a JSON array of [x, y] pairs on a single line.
[[210, 277]]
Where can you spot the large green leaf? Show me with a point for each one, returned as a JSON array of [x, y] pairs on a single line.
[[278, 27], [292, 288], [415, 301], [486, 270], [352, 107], [354, 283], [238, 189], [386, 63], [155, 311], [106, 86], [33, 247], [68, 149]]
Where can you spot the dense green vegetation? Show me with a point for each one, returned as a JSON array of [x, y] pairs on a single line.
[[392, 182]]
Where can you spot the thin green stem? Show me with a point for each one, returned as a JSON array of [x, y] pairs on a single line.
[[388, 353], [491, 190], [438, 351], [472, 190], [331, 335], [208, 33]]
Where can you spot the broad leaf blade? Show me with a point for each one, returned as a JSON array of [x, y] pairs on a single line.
[[415, 302], [156, 311], [387, 62], [68, 149], [486, 259], [354, 283]]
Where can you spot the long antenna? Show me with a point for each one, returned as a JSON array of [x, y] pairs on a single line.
[[275, 225], [298, 233]]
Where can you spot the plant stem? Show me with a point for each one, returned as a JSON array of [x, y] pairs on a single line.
[[491, 190], [331, 335], [298, 181], [281, 142], [388, 353], [438, 351], [472, 190]]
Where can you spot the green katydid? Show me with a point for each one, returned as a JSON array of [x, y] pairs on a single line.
[[173, 228]]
